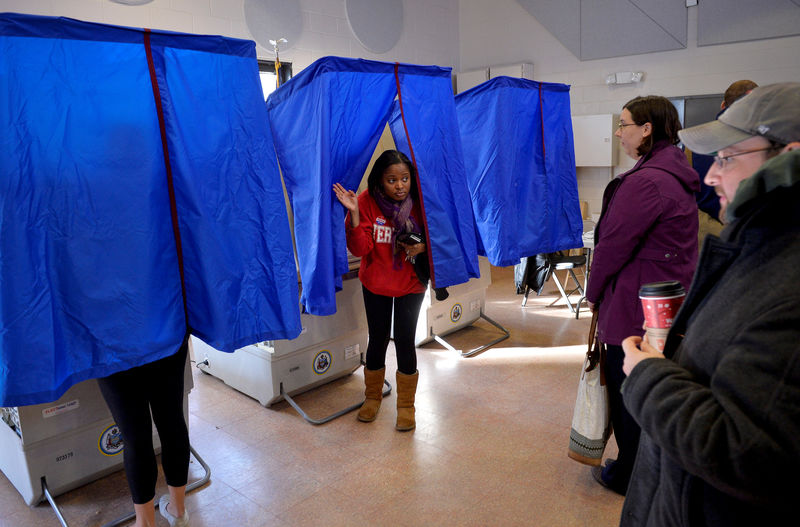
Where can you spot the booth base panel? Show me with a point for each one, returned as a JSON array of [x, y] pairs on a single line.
[[350, 317], [67, 461], [61, 442], [456, 312], [461, 308], [259, 372]]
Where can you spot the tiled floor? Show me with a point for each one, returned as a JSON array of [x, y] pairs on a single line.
[[489, 448]]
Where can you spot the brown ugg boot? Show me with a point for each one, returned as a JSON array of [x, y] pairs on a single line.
[[373, 393], [406, 390]]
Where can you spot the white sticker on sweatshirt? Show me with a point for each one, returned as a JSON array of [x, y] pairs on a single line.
[[383, 234]]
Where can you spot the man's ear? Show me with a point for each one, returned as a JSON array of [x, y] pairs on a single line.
[[791, 146]]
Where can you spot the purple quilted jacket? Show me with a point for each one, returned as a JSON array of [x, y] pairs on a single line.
[[647, 232]]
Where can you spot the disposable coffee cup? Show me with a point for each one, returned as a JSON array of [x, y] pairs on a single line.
[[660, 303]]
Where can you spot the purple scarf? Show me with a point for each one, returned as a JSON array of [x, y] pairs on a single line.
[[399, 212]]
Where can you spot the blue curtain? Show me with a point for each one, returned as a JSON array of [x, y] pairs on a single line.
[[326, 122], [520, 164], [89, 274], [430, 117]]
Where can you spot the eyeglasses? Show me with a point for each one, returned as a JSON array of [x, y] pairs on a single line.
[[622, 125], [722, 161]]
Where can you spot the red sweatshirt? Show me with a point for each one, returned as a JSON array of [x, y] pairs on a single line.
[[372, 242]]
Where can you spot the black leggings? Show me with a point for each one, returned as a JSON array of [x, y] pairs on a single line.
[[131, 395], [379, 321]]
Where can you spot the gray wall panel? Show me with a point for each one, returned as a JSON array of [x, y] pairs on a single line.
[[561, 17], [724, 21], [615, 28], [671, 16], [594, 29]]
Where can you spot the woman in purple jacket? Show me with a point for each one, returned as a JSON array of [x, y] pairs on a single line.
[[647, 232]]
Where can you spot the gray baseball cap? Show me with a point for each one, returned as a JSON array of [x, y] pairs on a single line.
[[771, 111]]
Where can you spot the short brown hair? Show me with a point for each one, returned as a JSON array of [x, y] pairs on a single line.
[[662, 116], [737, 90]]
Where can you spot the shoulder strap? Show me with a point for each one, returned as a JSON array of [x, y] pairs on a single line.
[[593, 353]]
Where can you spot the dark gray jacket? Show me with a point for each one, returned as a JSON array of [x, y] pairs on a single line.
[[721, 420]]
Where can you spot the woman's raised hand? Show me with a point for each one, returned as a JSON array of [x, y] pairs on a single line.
[[347, 198]]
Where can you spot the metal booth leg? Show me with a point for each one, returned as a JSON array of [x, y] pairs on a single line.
[[479, 349], [190, 487], [119, 521], [386, 391], [52, 503]]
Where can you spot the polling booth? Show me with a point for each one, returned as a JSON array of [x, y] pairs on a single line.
[[520, 166], [326, 123], [520, 159], [137, 204]]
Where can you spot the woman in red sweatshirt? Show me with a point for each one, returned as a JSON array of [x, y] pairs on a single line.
[[387, 212]]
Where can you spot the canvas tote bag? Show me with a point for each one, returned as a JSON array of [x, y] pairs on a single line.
[[591, 423]]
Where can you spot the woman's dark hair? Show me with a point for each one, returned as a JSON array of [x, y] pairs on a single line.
[[662, 116], [384, 161]]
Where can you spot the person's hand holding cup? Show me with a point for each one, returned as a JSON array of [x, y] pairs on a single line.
[[660, 303]]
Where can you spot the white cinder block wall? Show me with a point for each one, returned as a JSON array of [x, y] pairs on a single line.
[[502, 32], [430, 27]]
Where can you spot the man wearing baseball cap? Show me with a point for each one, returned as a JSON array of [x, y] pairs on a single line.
[[720, 409]]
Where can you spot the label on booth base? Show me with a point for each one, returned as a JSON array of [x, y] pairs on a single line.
[[352, 351], [61, 408]]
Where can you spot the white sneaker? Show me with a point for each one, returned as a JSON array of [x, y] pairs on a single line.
[[183, 521]]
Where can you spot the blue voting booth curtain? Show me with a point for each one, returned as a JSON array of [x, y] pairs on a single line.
[[430, 119], [326, 122], [520, 162], [90, 281]]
